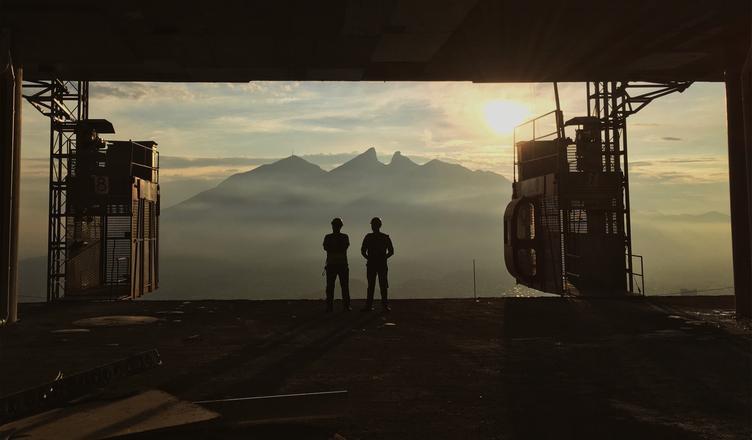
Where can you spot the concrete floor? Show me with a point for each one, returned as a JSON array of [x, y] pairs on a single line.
[[523, 368]]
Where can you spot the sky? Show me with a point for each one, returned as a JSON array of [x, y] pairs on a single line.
[[444, 120], [207, 132]]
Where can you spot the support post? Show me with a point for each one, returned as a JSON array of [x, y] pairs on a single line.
[[739, 155], [10, 143], [744, 307], [15, 206]]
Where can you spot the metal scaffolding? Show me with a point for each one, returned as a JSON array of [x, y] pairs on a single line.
[[64, 103], [568, 226], [612, 103]]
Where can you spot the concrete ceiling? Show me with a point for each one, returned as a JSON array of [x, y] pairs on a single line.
[[421, 40]]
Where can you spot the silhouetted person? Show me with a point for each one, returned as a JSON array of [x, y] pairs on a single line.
[[335, 245], [376, 249]]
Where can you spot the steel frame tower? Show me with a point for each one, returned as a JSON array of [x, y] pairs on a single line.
[[65, 103], [612, 103]]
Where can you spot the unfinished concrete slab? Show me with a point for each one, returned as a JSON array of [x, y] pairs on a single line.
[[499, 368]]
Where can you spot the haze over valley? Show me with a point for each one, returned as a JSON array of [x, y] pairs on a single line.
[[258, 234]]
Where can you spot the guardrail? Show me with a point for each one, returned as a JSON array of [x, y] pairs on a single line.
[[637, 276]]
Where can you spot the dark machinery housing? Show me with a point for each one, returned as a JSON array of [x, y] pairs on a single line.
[[567, 229], [103, 229], [564, 229], [112, 215]]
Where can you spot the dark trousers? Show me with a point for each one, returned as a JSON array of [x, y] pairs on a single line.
[[372, 271], [332, 272]]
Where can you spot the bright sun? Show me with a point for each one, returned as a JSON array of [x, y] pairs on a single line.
[[503, 116]]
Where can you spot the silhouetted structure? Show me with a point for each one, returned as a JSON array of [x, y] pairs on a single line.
[[65, 103], [377, 248], [567, 229], [111, 215], [335, 245]]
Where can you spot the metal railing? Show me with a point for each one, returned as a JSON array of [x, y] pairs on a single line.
[[638, 277], [558, 132], [154, 167]]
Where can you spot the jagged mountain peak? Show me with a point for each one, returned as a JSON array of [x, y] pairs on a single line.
[[365, 161], [368, 156], [400, 161], [370, 153]]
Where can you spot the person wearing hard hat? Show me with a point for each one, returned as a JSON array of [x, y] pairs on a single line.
[[335, 245], [376, 249]]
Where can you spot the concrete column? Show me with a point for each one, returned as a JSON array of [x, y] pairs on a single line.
[[10, 142], [744, 302], [739, 178], [16, 194], [10, 173]]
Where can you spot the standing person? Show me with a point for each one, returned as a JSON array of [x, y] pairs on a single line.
[[335, 245], [376, 249]]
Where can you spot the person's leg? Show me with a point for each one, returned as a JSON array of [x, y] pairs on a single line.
[[371, 277], [331, 277], [344, 282], [384, 287]]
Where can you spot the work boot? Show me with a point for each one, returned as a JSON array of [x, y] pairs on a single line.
[[347, 307], [386, 307], [367, 308]]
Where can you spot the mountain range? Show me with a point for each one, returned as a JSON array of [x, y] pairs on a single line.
[[258, 234]]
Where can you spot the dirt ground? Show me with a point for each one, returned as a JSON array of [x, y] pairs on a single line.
[[522, 368]]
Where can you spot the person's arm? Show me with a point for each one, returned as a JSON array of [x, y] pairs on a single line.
[[389, 247], [326, 243], [364, 249], [347, 241]]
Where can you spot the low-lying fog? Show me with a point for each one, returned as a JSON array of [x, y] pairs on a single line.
[[258, 234]]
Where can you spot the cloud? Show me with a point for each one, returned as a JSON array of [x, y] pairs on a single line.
[[682, 169], [35, 167], [669, 177], [138, 91], [177, 162], [671, 138], [118, 90], [675, 161]]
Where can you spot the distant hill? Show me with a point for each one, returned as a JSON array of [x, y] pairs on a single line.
[[258, 234]]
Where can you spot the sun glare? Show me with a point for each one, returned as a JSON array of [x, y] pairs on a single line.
[[503, 116]]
